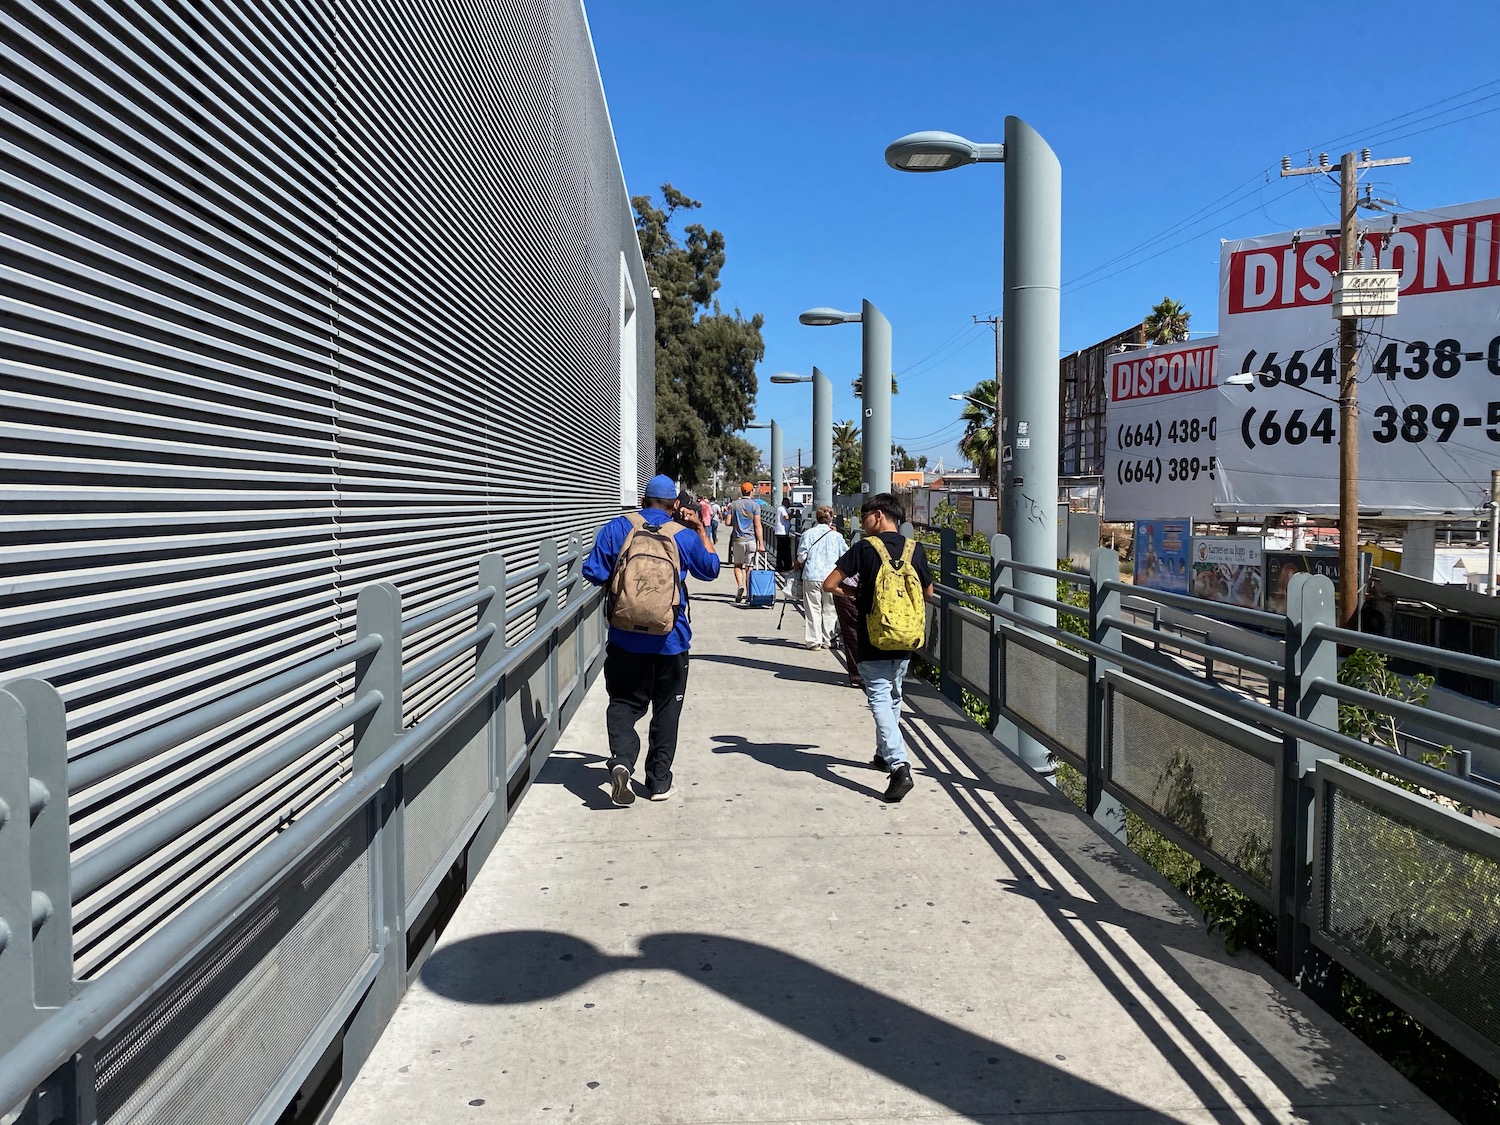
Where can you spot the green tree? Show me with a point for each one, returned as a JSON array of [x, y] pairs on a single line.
[[808, 475], [978, 440], [922, 462], [904, 461], [705, 358], [735, 461], [847, 459], [1168, 322]]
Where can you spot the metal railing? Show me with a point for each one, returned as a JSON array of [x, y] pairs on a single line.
[[297, 955], [1224, 737]]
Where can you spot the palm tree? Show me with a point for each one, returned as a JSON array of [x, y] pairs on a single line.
[[847, 467], [858, 383], [978, 441], [1168, 322]]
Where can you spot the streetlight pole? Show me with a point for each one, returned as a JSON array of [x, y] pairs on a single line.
[[876, 397], [775, 428], [1032, 316], [822, 422]]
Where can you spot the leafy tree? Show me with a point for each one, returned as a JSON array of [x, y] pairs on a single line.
[[848, 467], [922, 462], [705, 358], [1168, 322], [858, 383], [736, 460], [978, 441], [808, 475], [905, 462]]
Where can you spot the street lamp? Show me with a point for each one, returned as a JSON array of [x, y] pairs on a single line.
[[1032, 316], [875, 399], [993, 406], [822, 424], [775, 428]]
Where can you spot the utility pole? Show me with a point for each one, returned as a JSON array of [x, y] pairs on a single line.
[[1349, 168], [995, 322]]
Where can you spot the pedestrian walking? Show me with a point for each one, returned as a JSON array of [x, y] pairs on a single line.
[[745, 536], [644, 559], [783, 531], [818, 553], [893, 584]]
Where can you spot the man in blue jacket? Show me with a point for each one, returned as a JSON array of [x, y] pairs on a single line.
[[642, 670]]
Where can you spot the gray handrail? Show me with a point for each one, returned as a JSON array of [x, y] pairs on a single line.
[[116, 991], [1451, 724], [1259, 618], [450, 609], [1406, 650], [1269, 669], [156, 831], [446, 653], [129, 752]]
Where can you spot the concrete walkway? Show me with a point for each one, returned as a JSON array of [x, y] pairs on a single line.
[[777, 945]]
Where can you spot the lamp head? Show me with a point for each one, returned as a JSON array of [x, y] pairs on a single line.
[[932, 151], [1241, 379], [823, 315], [789, 377]]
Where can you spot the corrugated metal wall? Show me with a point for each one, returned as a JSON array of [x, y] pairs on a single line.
[[298, 295]]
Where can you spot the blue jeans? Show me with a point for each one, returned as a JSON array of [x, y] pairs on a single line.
[[883, 690]]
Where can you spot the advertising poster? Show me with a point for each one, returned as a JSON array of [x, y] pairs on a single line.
[[1282, 566], [1160, 427], [1429, 376], [1161, 554], [1228, 571]]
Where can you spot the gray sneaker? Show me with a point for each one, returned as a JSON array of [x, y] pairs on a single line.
[[619, 786], [670, 791]]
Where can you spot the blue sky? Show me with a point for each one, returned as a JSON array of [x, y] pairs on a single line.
[[1170, 121]]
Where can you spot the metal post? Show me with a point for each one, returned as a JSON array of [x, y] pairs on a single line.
[[489, 653], [947, 634], [547, 557], [378, 613], [776, 472], [876, 402], [822, 422], [1104, 609], [1033, 273], [1309, 603], [1001, 576], [1494, 530]]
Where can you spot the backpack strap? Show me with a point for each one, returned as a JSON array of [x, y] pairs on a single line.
[[908, 550], [879, 545]]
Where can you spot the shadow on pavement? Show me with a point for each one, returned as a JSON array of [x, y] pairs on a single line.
[[790, 757], [582, 775], [824, 675], [966, 1072]]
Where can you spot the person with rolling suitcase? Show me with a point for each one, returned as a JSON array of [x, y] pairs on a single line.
[[746, 539], [762, 587]]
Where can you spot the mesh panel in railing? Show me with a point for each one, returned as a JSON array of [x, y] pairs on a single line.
[[209, 1045], [1048, 694], [1213, 792], [1422, 908]]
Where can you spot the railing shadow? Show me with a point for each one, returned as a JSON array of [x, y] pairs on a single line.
[[1129, 951], [970, 1074]]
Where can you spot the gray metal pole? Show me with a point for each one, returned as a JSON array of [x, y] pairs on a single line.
[[876, 474], [822, 423], [1032, 315], [775, 465]]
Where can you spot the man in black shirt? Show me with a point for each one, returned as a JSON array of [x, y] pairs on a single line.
[[881, 670]]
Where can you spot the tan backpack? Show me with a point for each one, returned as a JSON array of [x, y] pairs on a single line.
[[645, 590]]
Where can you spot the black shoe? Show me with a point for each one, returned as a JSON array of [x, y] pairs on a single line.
[[619, 786], [879, 763], [900, 785]]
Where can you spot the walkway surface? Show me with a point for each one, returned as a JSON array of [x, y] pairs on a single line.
[[776, 944]]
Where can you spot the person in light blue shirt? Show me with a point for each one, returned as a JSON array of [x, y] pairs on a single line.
[[643, 671], [818, 552]]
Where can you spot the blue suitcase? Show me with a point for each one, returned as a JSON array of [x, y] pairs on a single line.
[[762, 587]]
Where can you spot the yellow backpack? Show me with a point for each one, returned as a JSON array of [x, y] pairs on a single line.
[[897, 621]]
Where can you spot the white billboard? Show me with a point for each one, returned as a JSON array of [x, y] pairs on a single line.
[[1429, 400], [1159, 458]]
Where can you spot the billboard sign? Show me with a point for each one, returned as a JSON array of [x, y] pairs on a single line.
[[1429, 403], [1161, 554], [1282, 566], [1228, 571], [1160, 426]]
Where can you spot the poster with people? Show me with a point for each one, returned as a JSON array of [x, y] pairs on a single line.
[[1283, 566], [1161, 554], [1228, 570]]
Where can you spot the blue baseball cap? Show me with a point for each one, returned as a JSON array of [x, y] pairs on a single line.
[[661, 487]]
